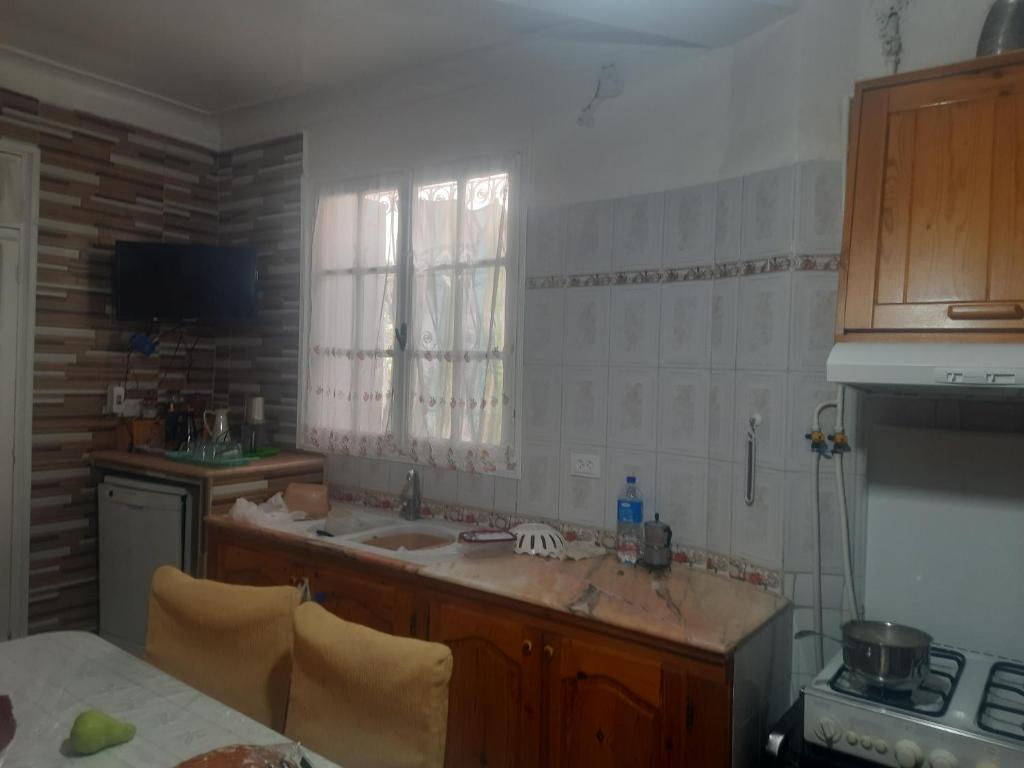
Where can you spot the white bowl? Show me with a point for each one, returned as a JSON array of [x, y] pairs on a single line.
[[539, 539]]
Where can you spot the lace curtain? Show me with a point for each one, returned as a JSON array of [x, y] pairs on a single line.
[[413, 317]]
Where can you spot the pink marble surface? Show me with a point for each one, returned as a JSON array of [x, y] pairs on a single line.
[[695, 608], [683, 605]]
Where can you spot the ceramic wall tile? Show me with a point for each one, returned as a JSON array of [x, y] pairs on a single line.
[[812, 321], [728, 220], [342, 470], [719, 495], [582, 499], [764, 322], [545, 316], [636, 232], [819, 208], [505, 491], [763, 394], [623, 463], [538, 488], [439, 484], [683, 407], [767, 213], [476, 490], [635, 319], [584, 403], [686, 324], [397, 472], [545, 241], [721, 409], [724, 322], [799, 530], [542, 403], [757, 528], [632, 407], [682, 498], [689, 238], [589, 240], [587, 314], [375, 474]]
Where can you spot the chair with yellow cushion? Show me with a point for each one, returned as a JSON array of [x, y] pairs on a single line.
[[366, 699], [231, 642]]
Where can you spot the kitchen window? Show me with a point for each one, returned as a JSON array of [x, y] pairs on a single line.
[[412, 317]]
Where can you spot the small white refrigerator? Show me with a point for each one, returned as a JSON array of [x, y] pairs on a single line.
[[142, 526]]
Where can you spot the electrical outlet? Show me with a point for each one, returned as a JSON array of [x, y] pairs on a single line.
[[115, 399], [584, 465]]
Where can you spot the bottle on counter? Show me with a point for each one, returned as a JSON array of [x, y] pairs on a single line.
[[630, 530]]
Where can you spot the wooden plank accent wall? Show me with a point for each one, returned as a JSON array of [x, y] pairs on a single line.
[[103, 181], [260, 195]]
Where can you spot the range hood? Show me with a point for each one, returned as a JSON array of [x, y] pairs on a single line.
[[963, 370]]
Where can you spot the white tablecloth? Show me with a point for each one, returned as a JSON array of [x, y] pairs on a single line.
[[51, 678]]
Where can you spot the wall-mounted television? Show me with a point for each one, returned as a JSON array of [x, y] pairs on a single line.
[[184, 282]]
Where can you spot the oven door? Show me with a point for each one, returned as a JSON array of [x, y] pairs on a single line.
[[786, 748]]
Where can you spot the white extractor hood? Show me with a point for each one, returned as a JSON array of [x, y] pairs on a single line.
[[964, 369]]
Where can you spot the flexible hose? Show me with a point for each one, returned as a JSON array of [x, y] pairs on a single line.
[[819, 639], [844, 516]]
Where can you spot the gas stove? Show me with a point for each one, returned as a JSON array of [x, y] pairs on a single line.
[[968, 712]]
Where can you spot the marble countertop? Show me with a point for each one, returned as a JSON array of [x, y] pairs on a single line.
[[683, 605]]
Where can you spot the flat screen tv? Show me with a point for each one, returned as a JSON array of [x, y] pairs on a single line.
[[183, 282]]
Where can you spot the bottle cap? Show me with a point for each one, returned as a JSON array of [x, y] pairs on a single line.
[[630, 479]]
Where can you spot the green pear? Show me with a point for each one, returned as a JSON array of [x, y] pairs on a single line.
[[95, 730]]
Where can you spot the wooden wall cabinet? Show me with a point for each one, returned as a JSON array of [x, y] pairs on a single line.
[[528, 688], [933, 242]]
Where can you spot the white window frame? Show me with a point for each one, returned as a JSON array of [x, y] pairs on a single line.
[[513, 162]]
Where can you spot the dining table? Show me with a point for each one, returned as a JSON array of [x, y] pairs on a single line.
[[51, 678]]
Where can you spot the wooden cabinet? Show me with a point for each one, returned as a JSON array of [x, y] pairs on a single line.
[[371, 601], [530, 688], [251, 566], [494, 705], [934, 230]]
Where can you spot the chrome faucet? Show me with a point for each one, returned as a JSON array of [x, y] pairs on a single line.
[[411, 497]]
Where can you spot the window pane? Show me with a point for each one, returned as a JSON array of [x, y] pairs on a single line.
[[377, 318], [483, 309], [433, 312], [484, 221], [331, 319], [483, 389], [430, 413], [378, 229], [434, 222], [334, 237], [373, 394]]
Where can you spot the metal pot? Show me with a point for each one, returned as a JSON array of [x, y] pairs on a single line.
[[1004, 28], [886, 655]]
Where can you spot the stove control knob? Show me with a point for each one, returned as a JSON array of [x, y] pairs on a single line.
[[828, 731], [908, 754], [940, 758], [881, 746], [852, 738], [866, 741]]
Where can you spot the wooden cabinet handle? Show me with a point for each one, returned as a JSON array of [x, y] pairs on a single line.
[[985, 311], [527, 647], [549, 652]]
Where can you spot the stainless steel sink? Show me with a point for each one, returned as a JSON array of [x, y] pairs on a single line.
[[411, 537]]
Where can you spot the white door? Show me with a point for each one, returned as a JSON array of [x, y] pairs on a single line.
[[10, 251]]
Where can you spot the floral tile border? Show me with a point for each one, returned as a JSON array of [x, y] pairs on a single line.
[[735, 568], [807, 262]]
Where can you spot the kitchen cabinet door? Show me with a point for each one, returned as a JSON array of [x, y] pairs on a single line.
[[604, 706], [373, 602], [495, 699], [934, 238], [237, 564]]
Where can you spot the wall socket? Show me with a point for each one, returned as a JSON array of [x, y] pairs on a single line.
[[584, 464], [115, 399]]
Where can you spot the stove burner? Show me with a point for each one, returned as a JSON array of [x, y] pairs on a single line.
[[930, 698], [1002, 705]]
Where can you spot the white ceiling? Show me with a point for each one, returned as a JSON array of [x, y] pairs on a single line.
[[216, 55]]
